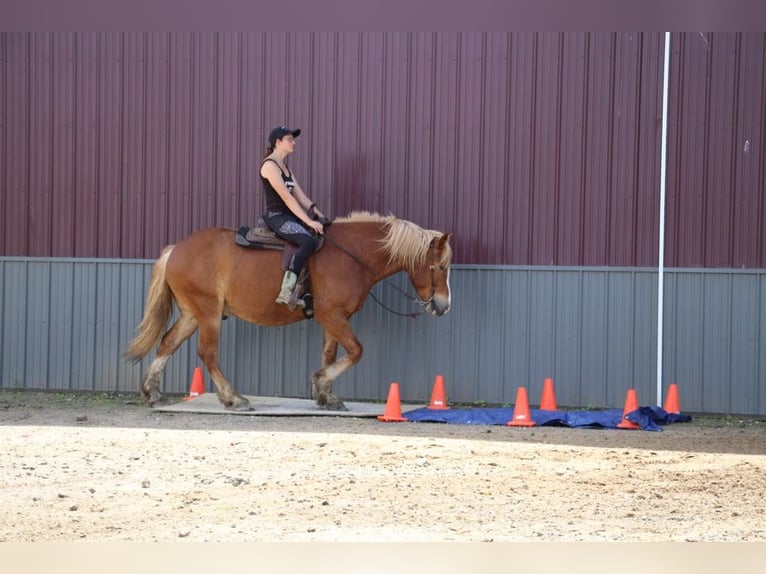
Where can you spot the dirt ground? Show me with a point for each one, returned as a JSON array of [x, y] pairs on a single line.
[[105, 467]]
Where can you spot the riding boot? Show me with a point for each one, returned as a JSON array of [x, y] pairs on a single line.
[[288, 284]]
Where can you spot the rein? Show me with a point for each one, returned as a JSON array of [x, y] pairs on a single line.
[[406, 295]]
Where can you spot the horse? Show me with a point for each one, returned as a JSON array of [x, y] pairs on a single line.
[[210, 278]]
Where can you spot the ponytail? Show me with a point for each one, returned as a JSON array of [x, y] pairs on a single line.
[[269, 151]]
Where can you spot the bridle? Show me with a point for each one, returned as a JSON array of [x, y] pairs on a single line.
[[423, 303]]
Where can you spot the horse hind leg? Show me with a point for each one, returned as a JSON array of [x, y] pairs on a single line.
[[181, 330], [209, 333]]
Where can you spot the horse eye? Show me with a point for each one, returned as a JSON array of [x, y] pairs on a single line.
[[431, 267]]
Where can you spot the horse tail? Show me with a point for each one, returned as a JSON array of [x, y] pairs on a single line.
[[159, 308]]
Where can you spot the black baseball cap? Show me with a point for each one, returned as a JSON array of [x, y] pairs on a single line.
[[280, 132]]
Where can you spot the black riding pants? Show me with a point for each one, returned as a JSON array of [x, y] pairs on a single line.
[[291, 229]]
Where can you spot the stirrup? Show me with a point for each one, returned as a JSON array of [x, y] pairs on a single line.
[[292, 302]]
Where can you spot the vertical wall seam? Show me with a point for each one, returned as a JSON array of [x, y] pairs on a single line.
[[70, 332], [729, 337], [3, 324], [584, 155], [51, 141], [28, 176], [458, 101], [761, 220], [26, 325], [359, 83], [94, 251], [483, 160], [384, 64], [557, 160], [123, 135], [49, 323], [238, 184], [75, 139], [759, 343], [193, 62], [168, 139], [4, 184], [607, 341], [532, 156], [733, 152], [637, 149], [610, 192], [528, 328], [335, 88], [145, 139], [580, 315], [432, 157], [682, 123], [217, 74], [505, 251], [706, 154], [703, 339]]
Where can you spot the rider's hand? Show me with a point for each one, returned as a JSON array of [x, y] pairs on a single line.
[[317, 226]]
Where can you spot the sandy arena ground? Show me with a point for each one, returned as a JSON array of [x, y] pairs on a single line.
[[102, 467]]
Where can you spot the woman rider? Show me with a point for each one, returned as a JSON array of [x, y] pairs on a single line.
[[290, 212]]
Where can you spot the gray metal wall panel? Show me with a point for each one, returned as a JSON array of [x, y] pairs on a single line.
[[716, 344], [586, 387], [37, 331], [535, 148], [744, 337], [14, 324], [83, 327], [759, 394], [684, 307], [65, 323], [644, 352]]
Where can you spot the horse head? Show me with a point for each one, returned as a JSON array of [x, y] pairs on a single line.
[[431, 279]]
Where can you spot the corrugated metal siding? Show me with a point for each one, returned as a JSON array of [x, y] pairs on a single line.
[[717, 160], [65, 323], [534, 148]]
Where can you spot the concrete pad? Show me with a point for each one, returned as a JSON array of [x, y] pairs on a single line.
[[208, 403]]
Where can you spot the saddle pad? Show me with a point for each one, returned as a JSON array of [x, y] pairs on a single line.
[[258, 238]]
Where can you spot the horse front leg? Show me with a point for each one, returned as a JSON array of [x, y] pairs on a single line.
[[336, 332], [209, 332], [329, 349]]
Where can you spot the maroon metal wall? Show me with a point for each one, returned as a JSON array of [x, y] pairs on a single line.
[[534, 148]]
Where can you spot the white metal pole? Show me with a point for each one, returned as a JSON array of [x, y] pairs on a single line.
[[661, 265]]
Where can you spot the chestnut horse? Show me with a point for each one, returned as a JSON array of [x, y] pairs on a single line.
[[210, 277]]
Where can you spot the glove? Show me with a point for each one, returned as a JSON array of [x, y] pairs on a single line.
[[313, 215]]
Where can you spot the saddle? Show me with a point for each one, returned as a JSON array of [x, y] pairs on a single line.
[[260, 236]]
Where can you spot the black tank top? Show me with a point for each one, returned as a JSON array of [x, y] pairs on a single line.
[[273, 201]]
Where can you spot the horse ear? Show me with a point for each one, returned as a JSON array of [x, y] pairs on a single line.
[[440, 242]]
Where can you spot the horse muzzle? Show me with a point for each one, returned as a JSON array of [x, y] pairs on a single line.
[[437, 306]]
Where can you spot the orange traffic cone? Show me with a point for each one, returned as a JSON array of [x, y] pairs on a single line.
[[631, 404], [197, 386], [521, 416], [672, 404], [393, 411], [438, 396], [548, 401]]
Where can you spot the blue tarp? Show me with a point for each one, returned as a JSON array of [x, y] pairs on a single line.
[[647, 418]]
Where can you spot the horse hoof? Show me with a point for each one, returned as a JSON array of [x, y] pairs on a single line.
[[336, 405], [240, 404], [157, 401]]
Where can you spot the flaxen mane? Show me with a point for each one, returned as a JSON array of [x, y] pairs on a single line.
[[405, 242]]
